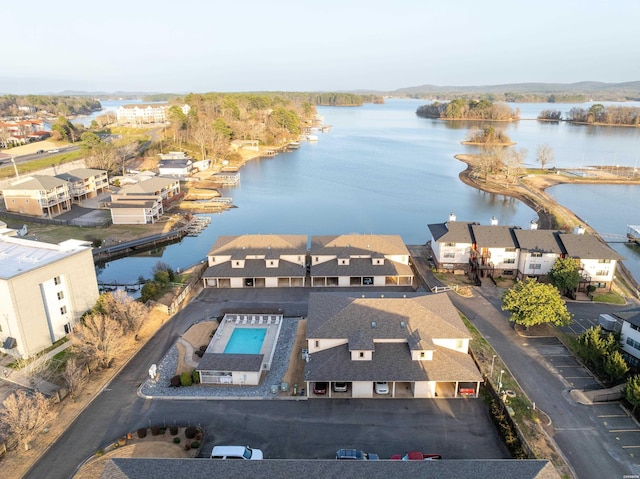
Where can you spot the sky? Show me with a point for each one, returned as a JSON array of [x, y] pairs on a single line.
[[320, 45]]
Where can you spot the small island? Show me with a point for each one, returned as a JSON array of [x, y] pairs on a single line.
[[488, 136], [462, 109]]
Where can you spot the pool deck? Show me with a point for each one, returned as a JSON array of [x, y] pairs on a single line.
[[228, 325], [283, 342]]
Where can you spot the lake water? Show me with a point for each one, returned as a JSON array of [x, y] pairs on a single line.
[[381, 170]]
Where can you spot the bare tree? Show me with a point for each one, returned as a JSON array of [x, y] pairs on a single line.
[[544, 155], [201, 135], [25, 415], [74, 375], [129, 313], [124, 152], [98, 337], [514, 162]]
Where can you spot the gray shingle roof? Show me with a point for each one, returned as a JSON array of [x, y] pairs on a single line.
[[493, 236], [338, 316], [255, 268], [543, 241], [230, 362], [390, 362], [350, 245], [259, 244], [409, 322], [130, 468], [360, 267], [586, 246], [451, 232], [36, 182], [80, 174], [150, 186]]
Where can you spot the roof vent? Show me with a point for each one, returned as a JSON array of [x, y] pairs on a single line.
[[403, 325], [373, 325]]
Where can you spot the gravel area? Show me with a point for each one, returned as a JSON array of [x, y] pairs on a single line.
[[159, 388]]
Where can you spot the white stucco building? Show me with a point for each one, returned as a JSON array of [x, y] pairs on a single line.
[[44, 289]]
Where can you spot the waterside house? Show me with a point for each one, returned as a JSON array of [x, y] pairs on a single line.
[[38, 195], [415, 343], [510, 251]]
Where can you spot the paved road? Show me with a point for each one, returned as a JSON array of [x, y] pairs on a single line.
[[316, 428], [581, 432]]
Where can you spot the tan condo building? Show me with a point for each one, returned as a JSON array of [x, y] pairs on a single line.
[[44, 290]]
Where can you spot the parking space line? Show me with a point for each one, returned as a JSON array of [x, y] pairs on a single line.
[[578, 377], [631, 447], [613, 415], [623, 430]]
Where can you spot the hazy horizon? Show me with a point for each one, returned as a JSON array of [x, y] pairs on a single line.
[[287, 45]]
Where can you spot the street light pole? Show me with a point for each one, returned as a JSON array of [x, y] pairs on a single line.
[[493, 359], [13, 160]]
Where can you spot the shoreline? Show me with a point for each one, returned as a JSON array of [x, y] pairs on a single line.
[[531, 190]]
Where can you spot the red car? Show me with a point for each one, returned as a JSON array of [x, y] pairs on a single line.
[[320, 388], [415, 456]]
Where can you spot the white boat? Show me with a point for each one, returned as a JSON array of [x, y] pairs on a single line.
[[312, 138]]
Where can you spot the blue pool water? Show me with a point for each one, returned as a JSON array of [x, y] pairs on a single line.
[[246, 341]]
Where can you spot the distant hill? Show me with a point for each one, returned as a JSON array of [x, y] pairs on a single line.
[[587, 90]]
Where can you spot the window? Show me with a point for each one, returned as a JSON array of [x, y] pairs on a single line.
[[510, 260], [536, 254], [535, 266], [56, 280], [63, 310], [317, 344], [509, 250], [361, 354], [60, 294], [450, 254], [271, 263], [634, 344], [632, 326], [602, 272], [237, 263], [67, 328], [422, 354], [450, 244], [604, 261]]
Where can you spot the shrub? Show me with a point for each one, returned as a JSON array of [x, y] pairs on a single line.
[[195, 444], [187, 446], [173, 430], [199, 353], [203, 348], [176, 440], [185, 379], [190, 432], [175, 382], [142, 432], [195, 377], [155, 430]]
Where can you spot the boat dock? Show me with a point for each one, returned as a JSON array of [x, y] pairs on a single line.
[[633, 233], [121, 250]]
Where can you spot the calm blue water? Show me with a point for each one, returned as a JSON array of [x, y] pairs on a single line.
[[246, 341], [380, 170]]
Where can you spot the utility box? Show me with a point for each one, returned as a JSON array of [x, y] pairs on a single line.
[[608, 322]]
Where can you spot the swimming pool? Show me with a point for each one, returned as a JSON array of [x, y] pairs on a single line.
[[246, 341]]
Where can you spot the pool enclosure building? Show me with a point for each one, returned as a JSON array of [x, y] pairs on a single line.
[[241, 350]]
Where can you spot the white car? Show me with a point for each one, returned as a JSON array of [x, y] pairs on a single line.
[[236, 452], [381, 387]]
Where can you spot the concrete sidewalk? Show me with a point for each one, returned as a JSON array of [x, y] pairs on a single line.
[[22, 378]]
